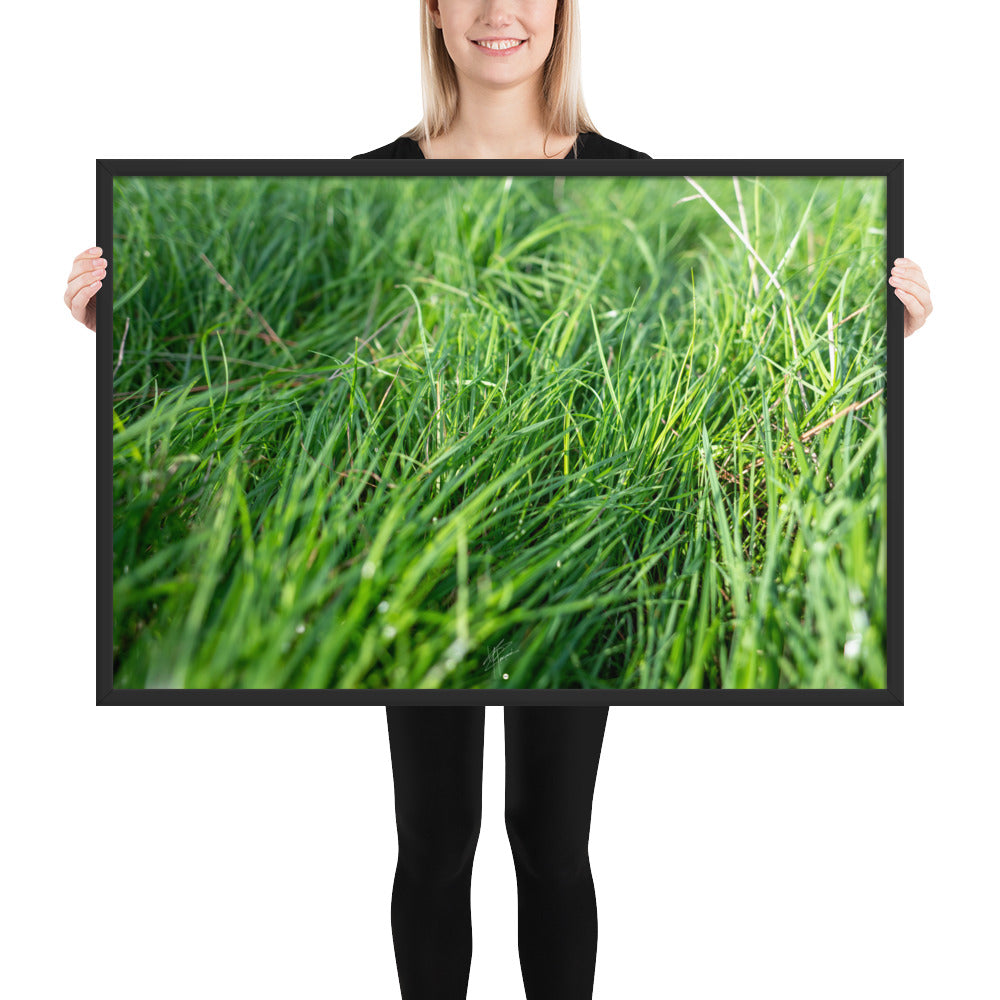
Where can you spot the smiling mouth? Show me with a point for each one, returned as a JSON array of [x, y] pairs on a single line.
[[505, 46]]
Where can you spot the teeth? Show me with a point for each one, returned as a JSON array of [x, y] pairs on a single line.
[[498, 45]]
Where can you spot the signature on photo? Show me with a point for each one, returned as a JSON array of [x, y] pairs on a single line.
[[496, 656]]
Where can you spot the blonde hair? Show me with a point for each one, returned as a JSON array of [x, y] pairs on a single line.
[[564, 110]]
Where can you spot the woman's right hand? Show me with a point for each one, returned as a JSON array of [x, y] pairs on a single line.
[[84, 280]]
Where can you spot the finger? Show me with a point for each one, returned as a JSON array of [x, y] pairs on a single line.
[[77, 300], [913, 305], [78, 304], [910, 273], [84, 257], [916, 289], [85, 264], [913, 288], [92, 252], [82, 281]]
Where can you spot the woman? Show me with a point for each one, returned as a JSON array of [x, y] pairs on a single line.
[[501, 79]]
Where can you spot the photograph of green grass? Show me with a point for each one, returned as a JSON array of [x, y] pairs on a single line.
[[499, 432]]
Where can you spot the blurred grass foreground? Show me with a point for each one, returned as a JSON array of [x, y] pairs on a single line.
[[496, 432]]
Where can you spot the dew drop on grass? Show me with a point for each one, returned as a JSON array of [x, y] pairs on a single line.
[[383, 606], [368, 569], [506, 677], [300, 628], [853, 646], [388, 631]]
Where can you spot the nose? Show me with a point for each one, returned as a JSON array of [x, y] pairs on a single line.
[[496, 13]]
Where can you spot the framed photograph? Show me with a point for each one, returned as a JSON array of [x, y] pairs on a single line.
[[500, 432]]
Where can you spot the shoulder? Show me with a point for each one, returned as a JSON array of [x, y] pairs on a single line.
[[598, 147], [399, 149]]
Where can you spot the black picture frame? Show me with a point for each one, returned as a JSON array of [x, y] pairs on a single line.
[[889, 169]]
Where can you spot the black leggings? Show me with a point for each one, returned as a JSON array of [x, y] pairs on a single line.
[[552, 755]]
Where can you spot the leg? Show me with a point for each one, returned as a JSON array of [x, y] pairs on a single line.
[[552, 757], [437, 770]]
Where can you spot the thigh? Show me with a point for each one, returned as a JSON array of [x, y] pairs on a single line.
[[437, 762], [552, 756]]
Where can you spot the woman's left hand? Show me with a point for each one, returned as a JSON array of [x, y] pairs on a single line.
[[911, 289]]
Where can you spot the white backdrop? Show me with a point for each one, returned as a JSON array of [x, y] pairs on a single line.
[[249, 852]]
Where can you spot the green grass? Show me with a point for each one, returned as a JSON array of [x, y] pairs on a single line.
[[435, 432]]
